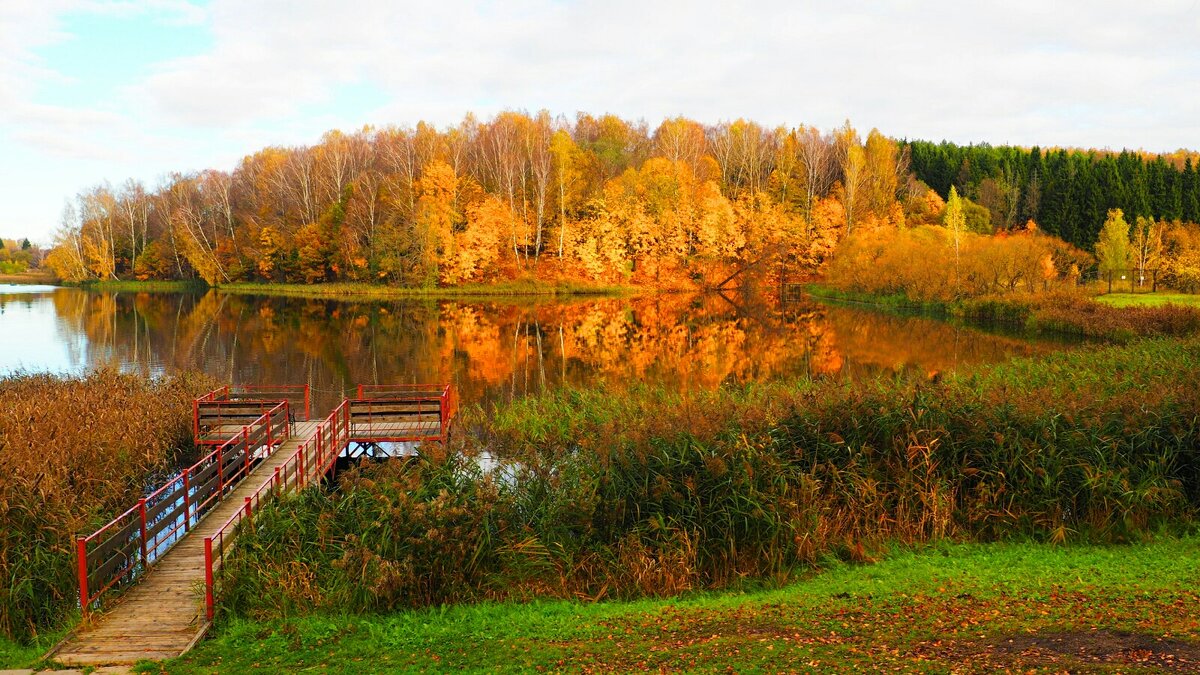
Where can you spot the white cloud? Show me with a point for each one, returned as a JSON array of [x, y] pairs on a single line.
[[1102, 73], [1019, 72]]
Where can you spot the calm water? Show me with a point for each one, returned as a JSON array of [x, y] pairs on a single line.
[[492, 350]]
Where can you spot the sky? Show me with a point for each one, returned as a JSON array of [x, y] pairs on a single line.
[[109, 90]]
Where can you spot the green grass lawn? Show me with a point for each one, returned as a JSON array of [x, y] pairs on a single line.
[[970, 608], [16, 655], [1149, 299]]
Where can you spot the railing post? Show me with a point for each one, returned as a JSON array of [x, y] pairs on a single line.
[[220, 455], [247, 507], [246, 448], [81, 551], [270, 443], [277, 478], [307, 410], [208, 578], [300, 468], [336, 450], [142, 513], [442, 414], [187, 498]]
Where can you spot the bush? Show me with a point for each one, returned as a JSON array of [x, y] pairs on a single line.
[[922, 264], [599, 493]]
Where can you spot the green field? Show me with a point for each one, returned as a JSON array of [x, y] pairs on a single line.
[[1149, 299], [952, 607], [134, 286]]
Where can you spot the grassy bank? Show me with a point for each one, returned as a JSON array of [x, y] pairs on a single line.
[[28, 653], [74, 451], [123, 286], [961, 608], [1053, 313], [364, 291], [36, 277], [604, 494]]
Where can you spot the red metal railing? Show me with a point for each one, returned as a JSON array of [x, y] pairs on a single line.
[[295, 394], [123, 549], [229, 405], [310, 462], [378, 404], [127, 546]]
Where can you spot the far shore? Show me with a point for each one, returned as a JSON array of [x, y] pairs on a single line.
[[29, 278], [368, 291]]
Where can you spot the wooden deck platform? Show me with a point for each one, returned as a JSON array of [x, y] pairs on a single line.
[[382, 430], [163, 615]]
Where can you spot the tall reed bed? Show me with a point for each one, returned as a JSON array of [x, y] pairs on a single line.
[[600, 493], [74, 452], [1061, 312]]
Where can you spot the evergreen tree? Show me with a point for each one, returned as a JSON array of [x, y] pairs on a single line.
[[1190, 192], [1068, 193]]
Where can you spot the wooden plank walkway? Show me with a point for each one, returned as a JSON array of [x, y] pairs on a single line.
[[162, 616]]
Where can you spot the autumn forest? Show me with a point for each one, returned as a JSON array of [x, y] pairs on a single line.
[[597, 200]]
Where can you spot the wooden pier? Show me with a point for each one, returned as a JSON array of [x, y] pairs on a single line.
[[166, 552]]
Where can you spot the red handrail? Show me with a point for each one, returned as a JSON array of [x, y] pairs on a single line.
[[266, 394], [309, 462], [114, 543], [207, 481], [253, 391], [368, 396]]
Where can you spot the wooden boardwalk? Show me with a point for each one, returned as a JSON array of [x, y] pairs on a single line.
[[163, 615]]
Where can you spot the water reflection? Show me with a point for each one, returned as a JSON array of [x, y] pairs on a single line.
[[491, 350]]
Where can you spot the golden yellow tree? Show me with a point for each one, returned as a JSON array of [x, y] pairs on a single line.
[[436, 216]]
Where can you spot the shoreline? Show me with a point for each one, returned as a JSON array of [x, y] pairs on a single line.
[[1047, 315], [367, 291], [29, 279]]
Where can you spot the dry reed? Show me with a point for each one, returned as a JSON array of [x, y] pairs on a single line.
[[75, 451]]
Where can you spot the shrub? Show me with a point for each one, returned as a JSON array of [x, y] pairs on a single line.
[[599, 493]]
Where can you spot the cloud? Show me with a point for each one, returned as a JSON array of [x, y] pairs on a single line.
[[1102, 73], [175, 12], [1021, 72]]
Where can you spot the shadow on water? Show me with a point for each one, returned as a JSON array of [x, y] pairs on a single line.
[[491, 349]]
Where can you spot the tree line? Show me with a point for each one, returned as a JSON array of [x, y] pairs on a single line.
[[594, 198], [1068, 193]]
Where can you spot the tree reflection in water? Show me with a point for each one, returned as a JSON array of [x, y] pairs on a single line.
[[495, 350]]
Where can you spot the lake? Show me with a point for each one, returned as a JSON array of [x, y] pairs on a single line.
[[492, 350]]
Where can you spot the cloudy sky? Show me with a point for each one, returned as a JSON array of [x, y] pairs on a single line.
[[96, 90]]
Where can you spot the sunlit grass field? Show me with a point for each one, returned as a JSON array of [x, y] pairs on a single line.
[[949, 607], [1149, 299]]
